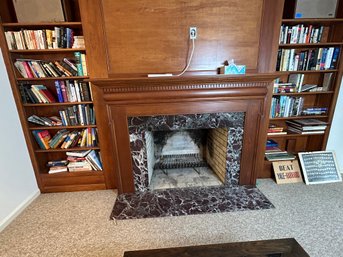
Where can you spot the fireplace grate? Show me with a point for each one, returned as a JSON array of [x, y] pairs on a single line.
[[180, 161]]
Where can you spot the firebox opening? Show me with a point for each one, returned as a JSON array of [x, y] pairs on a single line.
[[186, 158]]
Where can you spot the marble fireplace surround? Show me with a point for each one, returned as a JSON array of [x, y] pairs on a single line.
[[120, 99], [233, 121]]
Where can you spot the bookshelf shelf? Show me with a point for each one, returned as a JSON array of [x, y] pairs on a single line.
[[304, 93], [62, 127], [313, 45], [293, 135], [312, 21], [47, 51], [300, 117], [54, 78], [74, 174], [66, 150], [41, 24], [57, 104], [304, 71]]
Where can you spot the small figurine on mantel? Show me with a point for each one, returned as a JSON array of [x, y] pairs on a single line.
[[232, 68]]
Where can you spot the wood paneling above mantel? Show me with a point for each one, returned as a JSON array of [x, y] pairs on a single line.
[[149, 36]]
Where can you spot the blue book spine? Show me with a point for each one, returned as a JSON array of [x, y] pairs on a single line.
[[334, 58], [38, 140], [59, 91]]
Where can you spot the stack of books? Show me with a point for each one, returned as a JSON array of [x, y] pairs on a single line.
[[84, 161], [274, 129], [306, 126], [45, 121], [274, 153], [57, 166], [314, 111], [287, 87]]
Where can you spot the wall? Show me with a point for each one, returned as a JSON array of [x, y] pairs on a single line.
[[18, 185], [335, 139]]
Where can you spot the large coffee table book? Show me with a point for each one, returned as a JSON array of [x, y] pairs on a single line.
[[48, 58]]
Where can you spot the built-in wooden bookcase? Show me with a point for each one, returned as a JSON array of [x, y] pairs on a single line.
[[332, 37], [64, 181]]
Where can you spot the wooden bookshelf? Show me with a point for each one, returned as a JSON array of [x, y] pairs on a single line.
[[332, 36], [258, 41], [65, 181]]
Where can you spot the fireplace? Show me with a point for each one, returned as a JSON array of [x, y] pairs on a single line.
[[205, 146], [145, 122]]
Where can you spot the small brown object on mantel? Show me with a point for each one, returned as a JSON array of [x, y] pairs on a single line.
[[288, 247]]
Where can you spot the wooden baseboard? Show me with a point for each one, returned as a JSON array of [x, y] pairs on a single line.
[[18, 210]]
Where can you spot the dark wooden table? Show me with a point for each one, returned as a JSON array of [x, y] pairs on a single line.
[[287, 247]]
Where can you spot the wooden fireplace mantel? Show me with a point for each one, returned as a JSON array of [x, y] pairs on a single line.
[[118, 99]]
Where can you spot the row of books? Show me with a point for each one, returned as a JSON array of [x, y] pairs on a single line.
[[78, 115], [71, 116], [66, 91], [65, 139], [312, 59], [300, 34], [286, 106], [35, 94], [30, 68], [73, 91], [306, 126], [59, 37], [77, 161]]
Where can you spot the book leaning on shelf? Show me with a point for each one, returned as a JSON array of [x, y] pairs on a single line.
[[36, 94], [30, 68], [65, 139]]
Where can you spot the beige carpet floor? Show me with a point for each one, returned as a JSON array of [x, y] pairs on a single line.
[[77, 224]]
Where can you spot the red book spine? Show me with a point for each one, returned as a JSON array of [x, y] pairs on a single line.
[[28, 70], [64, 92]]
